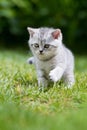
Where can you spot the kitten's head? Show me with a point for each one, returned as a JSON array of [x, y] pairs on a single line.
[[44, 42]]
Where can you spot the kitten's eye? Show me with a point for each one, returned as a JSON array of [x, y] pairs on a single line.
[[36, 45], [46, 46]]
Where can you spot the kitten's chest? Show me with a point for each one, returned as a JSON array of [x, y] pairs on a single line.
[[46, 66]]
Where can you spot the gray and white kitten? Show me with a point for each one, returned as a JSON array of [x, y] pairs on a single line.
[[52, 59]]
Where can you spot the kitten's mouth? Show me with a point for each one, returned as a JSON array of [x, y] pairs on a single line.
[[40, 53]]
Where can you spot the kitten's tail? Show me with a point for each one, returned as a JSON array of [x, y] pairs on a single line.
[[30, 60]]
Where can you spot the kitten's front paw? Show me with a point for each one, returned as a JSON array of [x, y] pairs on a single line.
[[30, 60], [53, 76]]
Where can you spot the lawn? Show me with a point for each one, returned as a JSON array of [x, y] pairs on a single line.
[[23, 107]]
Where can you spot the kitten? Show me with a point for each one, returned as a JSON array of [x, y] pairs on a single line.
[[52, 59]]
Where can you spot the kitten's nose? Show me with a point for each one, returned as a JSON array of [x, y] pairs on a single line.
[[41, 51]]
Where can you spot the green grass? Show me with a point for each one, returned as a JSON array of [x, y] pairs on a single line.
[[23, 107]]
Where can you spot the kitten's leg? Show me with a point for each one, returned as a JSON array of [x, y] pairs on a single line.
[[42, 81], [69, 79], [30, 60], [56, 74]]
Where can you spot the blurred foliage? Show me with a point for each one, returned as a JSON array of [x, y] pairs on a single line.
[[69, 15]]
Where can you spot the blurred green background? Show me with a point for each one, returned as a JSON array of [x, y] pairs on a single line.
[[68, 15]]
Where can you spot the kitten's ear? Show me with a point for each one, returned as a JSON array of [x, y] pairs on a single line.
[[31, 31], [56, 34]]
